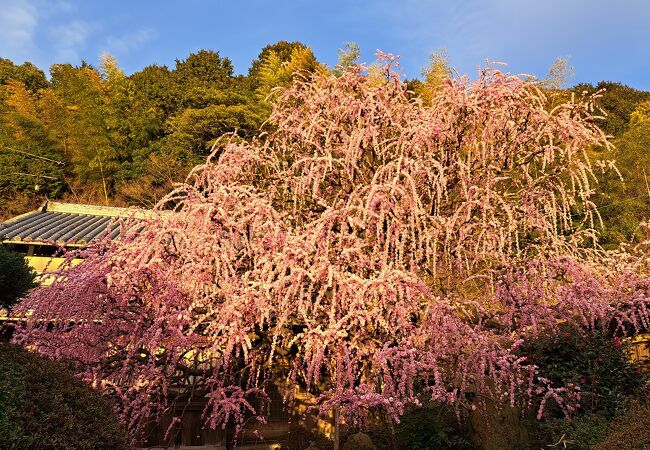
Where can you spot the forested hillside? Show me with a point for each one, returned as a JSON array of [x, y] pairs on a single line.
[[94, 135]]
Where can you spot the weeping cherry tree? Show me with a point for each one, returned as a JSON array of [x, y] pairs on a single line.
[[366, 248]]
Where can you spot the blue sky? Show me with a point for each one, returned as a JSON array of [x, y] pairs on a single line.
[[605, 39]]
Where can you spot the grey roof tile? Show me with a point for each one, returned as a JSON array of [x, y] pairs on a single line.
[[63, 227], [82, 229], [70, 224]]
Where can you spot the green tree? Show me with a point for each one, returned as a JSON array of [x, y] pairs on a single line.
[[434, 75], [201, 76], [95, 158], [132, 120], [279, 70], [151, 167], [622, 198], [349, 56], [117, 91], [29, 151], [211, 102], [16, 277], [625, 203], [282, 49], [617, 101], [148, 101], [27, 73]]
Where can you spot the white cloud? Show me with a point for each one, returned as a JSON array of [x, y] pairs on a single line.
[[130, 41], [52, 8], [18, 22], [69, 40]]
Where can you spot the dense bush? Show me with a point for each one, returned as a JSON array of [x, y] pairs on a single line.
[[628, 431], [432, 426], [359, 441], [42, 406], [16, 277], [594, 361], [577, 433]]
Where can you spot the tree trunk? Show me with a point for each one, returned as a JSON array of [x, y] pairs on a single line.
[[230, 437], [337, 430]]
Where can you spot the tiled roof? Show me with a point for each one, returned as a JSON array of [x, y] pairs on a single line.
[[63, 223]]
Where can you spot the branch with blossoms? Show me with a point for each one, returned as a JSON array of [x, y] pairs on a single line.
[[368, 249]]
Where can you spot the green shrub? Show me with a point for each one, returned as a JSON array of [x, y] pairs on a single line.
[[430, 427], [359, 441], [629, 431], [42, 407], [594, 361], [578, 433], [16, 277], [609, 382]]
